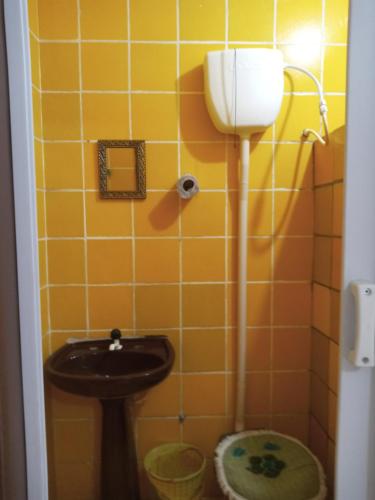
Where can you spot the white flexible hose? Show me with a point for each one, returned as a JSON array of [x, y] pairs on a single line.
[[242, 283], [323, 108]]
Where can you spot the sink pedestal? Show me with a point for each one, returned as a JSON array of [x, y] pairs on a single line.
[[119, 470]]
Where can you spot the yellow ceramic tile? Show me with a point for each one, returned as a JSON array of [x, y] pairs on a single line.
[[258, 393], [66, 261], [103, 20], [336, 17], [291, 349], [75, 480], [211, 390], [203, 305], [321, 315], [192, 129], [332, 415], [157, 306], [32, 8], [258, 259], [107, 217], [157, 215], [105, 116], [338, 201], [162, 400], [294, 213], [37, 115], [193, 19], [297, 113], [69, 406], [38, 158], [335, 69], [338, 143], [153, 20], [109, 261], [63, 165], [42, 263], [104, 66], [35, 61], [301, 54], [91, 165], [204, 215], [67, 308], [110, 307], [191, 65], [155, 432], [323, 210], [153, 66], [292, 303], [336, 111], [59, 66], [296, 426], [336, 263], [258, 304], [203, 350], [290, 392], [335, 316], [323, 163], [250, 22], [333, 379], [318, 441], [64, 214], [294, 166], [206, 432], [154, 117], [293, 259], [258, 354], [157, 261], [203, 260], [73, 441], [323, 260], [320, 355], [161, 166], [44, 310], [205, 161], [41, 211], [299, 22], [260, 214], [319, 401], [61, 116], [261, 161], [58, 19]]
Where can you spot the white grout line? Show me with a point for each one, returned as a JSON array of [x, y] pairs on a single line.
[[86, 277], [178, 283], [114, 238], [182, 42], [180, 250]]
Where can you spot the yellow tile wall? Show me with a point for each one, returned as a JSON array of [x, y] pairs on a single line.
[[132, 69], [328, 188]]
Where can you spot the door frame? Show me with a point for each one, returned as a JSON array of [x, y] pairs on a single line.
[[21, 117], [355, 456]]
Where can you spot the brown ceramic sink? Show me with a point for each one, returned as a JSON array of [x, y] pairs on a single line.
[[89, 368]]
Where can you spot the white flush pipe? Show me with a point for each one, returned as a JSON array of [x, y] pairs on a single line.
[[323, 108], [242, 283]]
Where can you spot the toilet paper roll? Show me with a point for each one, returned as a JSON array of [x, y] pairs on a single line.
[[187, 186]]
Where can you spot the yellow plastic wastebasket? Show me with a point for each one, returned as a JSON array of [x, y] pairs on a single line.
[[177, 471]]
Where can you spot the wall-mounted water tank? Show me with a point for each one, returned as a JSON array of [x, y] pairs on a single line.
[[244, 88]]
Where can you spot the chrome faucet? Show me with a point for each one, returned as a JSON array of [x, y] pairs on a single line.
[[116, 344]]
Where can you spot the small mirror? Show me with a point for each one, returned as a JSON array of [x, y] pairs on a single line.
[[122, 169]]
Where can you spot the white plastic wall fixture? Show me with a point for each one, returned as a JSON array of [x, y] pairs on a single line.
[[364, 350], [243, 88]]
